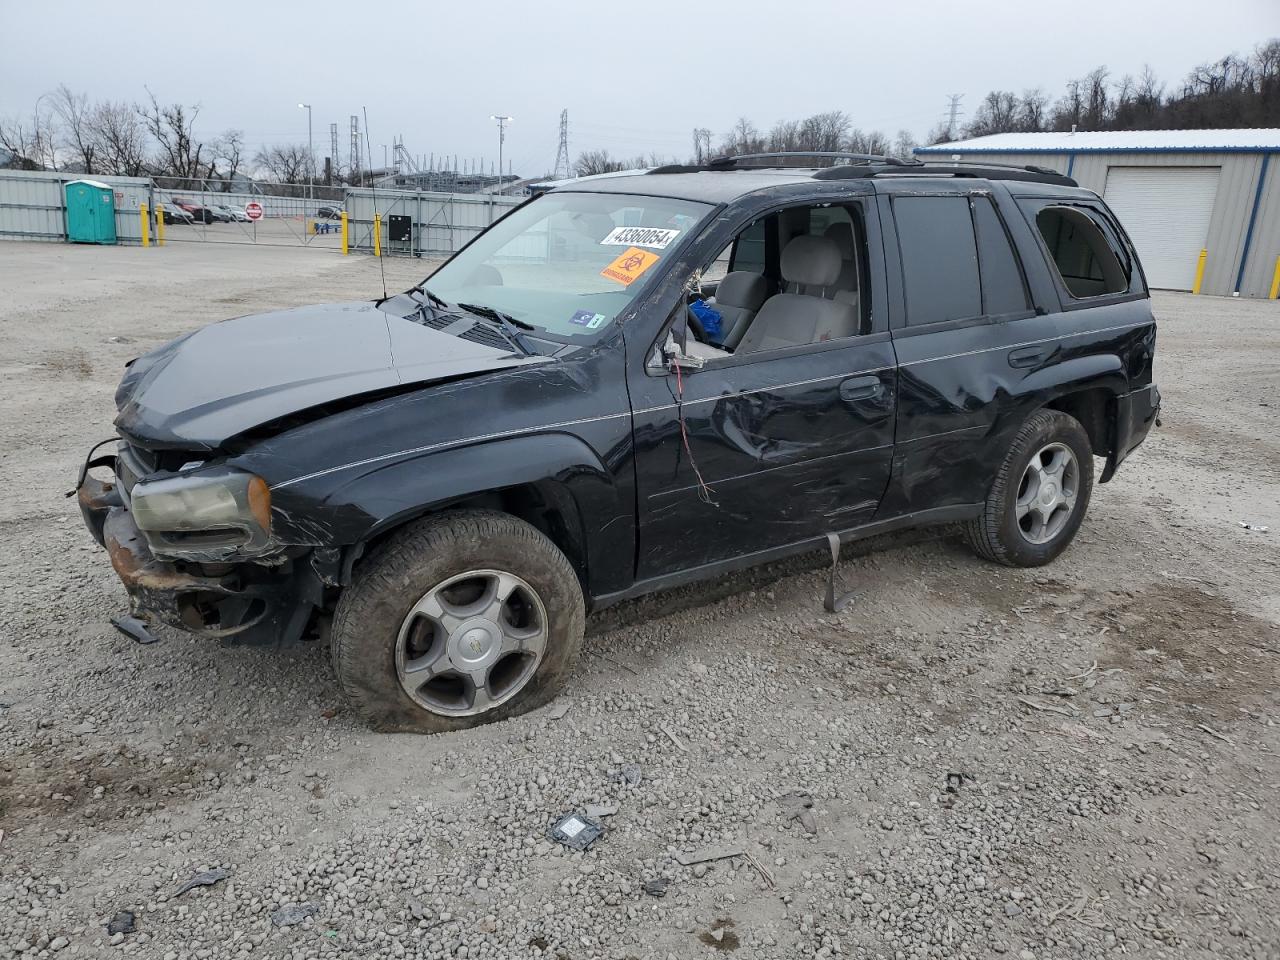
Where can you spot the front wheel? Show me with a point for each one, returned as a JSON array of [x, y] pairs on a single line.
[[458, 620], [1040, 494]]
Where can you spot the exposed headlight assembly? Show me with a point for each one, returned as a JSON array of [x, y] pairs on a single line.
[[212, 513]]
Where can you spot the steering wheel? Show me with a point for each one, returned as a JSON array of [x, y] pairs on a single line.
[[695, 326]]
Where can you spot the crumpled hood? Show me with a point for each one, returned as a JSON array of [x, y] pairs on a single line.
[[196, 392]]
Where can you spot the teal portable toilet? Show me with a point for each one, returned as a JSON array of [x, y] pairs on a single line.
[[91, 212]]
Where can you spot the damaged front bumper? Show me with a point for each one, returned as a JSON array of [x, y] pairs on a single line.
[[250, 602]]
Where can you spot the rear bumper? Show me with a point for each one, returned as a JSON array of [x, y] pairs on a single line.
[[1136, 412], [252, 603]]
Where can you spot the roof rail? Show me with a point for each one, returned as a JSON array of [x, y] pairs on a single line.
[[736, 160], [981, 171]]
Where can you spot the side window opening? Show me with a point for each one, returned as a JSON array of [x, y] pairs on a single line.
[[816, 291], [1081, 253]]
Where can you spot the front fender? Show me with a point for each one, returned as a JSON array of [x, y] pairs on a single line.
[[567, 478]]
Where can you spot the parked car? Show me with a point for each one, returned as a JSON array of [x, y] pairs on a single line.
[[173, 213], [201, 213], [329, 213], [232, 214], [455, 474]]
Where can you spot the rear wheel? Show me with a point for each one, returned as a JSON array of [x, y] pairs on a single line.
[[1040, 494], [458, 620]]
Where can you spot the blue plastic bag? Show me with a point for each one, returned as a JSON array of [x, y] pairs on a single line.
[[710, 318]]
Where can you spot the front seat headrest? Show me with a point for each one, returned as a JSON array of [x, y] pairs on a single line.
[[811, 261], [842, 235], [742, 289]]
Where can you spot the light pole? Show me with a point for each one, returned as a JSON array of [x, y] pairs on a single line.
[[53, 160], [502, 138], [311, 154]]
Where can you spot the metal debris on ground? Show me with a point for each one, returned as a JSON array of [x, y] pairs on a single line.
[[122, 922], [1256, 527], [206, 879], [798, 805], [835, 602], [294, 914], [657, 887], [133, 628], [708, 854], [630, 773], [576, 831]]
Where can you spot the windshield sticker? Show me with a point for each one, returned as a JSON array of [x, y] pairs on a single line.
[[585, 318], [655, 237], [629, 266]]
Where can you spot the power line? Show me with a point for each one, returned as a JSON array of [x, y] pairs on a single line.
[[954, 112]]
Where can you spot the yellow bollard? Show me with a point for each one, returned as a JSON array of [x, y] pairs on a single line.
[[344, 232], [1275, 281], [159, 225], [1204, 255], [377, 234], [146, 233]]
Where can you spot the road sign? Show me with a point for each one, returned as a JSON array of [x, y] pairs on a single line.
[[253, 210]]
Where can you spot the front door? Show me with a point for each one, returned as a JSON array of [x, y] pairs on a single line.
[[760, 450]]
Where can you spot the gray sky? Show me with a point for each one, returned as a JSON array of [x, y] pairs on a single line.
[[636, 75]]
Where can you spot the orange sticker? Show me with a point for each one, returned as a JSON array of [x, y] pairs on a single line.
[[630, 265]]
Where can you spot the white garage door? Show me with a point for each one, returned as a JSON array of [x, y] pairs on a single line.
[[1166, 211]]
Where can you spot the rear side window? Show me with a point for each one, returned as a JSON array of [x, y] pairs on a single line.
[[1004, 290], [939, 258], [748, 249], [1081, 252]]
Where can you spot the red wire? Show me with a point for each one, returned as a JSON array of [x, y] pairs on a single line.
[[704, 491]]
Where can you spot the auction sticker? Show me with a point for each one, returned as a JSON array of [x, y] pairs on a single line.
[[629, 266], [656, 237]]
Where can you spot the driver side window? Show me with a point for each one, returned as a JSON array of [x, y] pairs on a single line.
[[794, 277]]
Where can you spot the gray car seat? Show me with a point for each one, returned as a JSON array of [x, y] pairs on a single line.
[[846, 286], [811, 264], [739, 296]]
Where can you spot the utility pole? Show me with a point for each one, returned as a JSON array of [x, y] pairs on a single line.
[[562, 170], [311, 153], [502, 138], [333, 145]]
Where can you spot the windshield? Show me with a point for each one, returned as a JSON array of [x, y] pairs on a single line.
[[568, 263]]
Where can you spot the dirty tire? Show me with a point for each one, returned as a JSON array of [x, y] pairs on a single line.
[[411, 562], [995, 534]]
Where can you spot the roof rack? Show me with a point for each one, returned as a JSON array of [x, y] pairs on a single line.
[[719, 163], [857, 166], [981, 171]]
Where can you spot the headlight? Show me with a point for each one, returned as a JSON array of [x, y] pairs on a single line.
[[216, 512]]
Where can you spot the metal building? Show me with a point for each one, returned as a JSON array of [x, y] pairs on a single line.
[[1177, 192]]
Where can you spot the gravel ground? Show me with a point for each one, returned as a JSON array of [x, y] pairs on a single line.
[[1078, 761]]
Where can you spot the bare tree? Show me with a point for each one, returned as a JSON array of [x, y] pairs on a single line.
[[904, 145], [77, 126], [171, 127], [743, 138], [227, 150], [288, 163], [870, 141], [593, 162], [701, 145], [120, 139], [21, 142]]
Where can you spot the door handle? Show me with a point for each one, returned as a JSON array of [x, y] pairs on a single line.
[[861, 388], [1027, 356]]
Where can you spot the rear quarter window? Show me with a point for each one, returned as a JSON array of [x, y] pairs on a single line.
[[1086, 255]]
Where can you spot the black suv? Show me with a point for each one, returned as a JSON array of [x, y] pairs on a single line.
[[626, 384]]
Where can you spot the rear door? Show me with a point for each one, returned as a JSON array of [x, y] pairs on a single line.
[[965, 331]]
